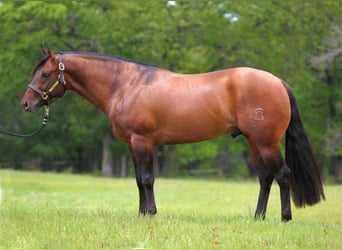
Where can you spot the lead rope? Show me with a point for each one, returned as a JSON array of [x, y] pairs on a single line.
[[44, 122]]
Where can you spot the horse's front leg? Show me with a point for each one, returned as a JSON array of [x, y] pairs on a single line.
[[142, 153]]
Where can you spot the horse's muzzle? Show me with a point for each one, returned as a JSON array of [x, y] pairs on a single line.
[[30, 106]]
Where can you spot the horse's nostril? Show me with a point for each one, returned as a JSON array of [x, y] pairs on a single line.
[[26, 106]]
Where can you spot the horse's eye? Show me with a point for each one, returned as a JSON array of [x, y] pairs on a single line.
[[45, 75]]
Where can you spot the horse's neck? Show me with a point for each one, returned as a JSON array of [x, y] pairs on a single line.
[[95, 79]]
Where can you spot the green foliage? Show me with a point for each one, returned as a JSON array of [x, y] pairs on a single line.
[[188, 36], [203, 154]]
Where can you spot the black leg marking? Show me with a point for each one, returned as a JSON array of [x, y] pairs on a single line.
[[143, 162], [265, 180], [283, 180]]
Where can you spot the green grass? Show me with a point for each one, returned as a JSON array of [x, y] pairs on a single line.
[[83, 212]]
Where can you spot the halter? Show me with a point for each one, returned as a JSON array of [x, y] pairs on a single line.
[[60, 80]]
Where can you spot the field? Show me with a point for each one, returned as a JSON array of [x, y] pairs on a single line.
[[84, 212]]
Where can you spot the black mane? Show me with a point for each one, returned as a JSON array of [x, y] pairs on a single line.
[[105, 56]]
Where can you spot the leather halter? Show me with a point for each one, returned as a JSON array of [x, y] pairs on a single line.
[[60, 80]]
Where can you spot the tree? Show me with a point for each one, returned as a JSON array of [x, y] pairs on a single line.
[[329, 70], [187, 37], [24, 26]]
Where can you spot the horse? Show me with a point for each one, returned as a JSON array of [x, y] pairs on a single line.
[[148, 106]]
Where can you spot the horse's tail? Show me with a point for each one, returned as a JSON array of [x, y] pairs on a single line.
[[306, 184]]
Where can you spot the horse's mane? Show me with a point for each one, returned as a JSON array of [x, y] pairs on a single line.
[[105, 56], [44, 58]]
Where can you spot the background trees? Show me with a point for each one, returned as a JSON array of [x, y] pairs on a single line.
[[295, 40]]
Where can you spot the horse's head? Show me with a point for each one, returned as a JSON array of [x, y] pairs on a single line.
[[47, 82]]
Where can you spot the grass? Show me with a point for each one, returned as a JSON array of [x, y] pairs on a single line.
[[45, 211]]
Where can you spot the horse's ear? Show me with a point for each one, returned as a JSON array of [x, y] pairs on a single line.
[[51, 53], [45, 51]]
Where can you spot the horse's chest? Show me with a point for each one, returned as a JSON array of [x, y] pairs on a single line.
[[124, 126]]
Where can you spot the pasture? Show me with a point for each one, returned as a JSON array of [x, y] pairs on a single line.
[[45, 210]]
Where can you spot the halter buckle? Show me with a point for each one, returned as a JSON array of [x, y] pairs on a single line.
[[61, 66], [44, 95]]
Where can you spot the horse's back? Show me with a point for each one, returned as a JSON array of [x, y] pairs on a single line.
[[192, 108]]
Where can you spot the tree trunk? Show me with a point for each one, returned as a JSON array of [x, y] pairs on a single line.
[[251, 169], [124, 166], [162, 162], [336, 164], [107, 156]]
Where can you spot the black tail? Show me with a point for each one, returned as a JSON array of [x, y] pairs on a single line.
[[306, 183]]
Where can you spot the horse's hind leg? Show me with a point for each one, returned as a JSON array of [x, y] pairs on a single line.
[[283, 179], [270, 164], [265, 181], [276, 165]]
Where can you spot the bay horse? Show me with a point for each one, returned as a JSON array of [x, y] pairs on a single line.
[[148, 106]]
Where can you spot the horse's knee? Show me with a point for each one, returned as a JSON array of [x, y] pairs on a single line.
[[147, 177]]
